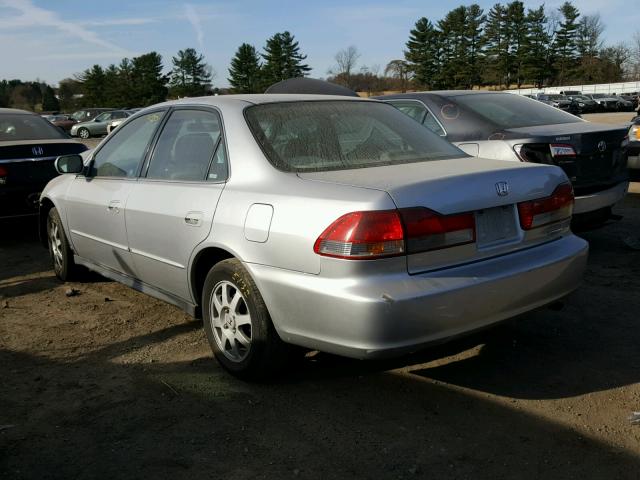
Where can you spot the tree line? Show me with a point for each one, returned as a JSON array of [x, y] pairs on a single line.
[[504, 47], [510, 46]]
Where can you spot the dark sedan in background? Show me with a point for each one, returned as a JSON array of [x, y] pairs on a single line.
[[559, 101], [29, 146], [586, 104], [506, 126]]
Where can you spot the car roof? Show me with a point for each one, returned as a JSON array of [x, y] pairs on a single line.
[[258, 98], [15, 111]]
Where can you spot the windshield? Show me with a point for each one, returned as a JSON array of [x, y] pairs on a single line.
[[337, 135], [598, 95], [507, 110], [27, 127], [102, 117], [556, 97]]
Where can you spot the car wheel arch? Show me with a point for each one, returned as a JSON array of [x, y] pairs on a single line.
[[46, 204], [202, 262]]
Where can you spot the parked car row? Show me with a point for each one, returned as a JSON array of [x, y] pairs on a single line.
[[576, 102], [90, 122]]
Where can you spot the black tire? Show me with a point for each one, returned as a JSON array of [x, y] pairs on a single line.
[[59, 250], [266, 354], [84, 133]]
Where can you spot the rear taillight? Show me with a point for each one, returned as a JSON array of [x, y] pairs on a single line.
[[543, 211], [386, 233], [428, 230], [4, 173], [363, 235], [562, 150]]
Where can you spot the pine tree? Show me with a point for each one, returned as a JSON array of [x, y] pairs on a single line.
[[564, 47], [93, 83], [422, 53], [190, 76], [49, 101], [283, 59], [149, 83], [474, 22], [497, 46], [245, 72], [536, 46], [112, 87], [516, 30], [455, 48]]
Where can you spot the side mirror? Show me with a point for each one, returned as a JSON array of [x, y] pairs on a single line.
[[69, 164]]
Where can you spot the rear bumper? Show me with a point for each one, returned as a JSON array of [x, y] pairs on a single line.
[[20, 201], [396, 313], [600, 200]]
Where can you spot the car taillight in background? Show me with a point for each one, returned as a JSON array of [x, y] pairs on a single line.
[[385, 233], [634, 133], [543, 211]]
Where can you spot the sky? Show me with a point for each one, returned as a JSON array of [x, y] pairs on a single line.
[[54, 39]]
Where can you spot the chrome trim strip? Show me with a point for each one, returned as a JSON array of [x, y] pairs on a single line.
[[101, 240], [154, 257], [22, 160]]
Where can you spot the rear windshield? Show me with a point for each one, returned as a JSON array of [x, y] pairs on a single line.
[[15, 127], [335, 135], [507, 110]]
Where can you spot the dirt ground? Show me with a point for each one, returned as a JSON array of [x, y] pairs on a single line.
[[113, 384]]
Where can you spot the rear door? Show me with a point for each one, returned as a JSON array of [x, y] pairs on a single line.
[[170, 209], [96, 203]]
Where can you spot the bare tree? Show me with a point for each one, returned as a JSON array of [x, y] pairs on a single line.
[[590, 35], [345, 64], [400, 70], [635, 55]]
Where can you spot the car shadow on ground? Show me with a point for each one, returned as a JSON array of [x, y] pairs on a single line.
[[92, 417]]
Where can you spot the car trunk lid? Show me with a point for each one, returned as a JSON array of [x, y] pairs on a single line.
[[599, 162], [489, 189]]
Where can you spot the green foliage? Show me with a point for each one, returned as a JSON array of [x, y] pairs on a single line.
[[564, 47], [49, 101], [190, 76], [282, 59], [422, 54], [245, 72]]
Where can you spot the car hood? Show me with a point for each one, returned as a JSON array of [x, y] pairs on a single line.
[[453, 185]]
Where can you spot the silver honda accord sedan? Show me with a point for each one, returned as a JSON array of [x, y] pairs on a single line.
[[331, 223]]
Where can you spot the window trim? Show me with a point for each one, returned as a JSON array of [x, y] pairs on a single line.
[[221, 143], [110, 138], [414, 100]]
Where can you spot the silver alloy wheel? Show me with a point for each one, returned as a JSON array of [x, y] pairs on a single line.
[[55, 241], [84, 133], [230, 321]]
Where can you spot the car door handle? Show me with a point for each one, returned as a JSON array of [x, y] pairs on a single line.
[[114, 206], [193, 218]]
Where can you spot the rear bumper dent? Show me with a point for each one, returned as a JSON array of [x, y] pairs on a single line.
[[396, 313]]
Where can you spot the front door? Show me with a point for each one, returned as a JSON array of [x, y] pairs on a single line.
[[96, 203], [170, 209]]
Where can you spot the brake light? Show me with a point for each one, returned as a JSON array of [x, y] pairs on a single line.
[[385, 233], [363, 235], [428, 230], [4, 173], [562, 150], [543, 211]]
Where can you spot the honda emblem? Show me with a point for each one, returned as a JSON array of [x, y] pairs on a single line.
[[502, 188], [602, 145], [37, 151]]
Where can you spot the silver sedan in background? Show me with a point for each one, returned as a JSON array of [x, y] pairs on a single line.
[[330, 223], [97, 126]]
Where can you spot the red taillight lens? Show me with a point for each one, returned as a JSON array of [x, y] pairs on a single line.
[[376, 234], [363, 235], [4, 173], [543, 211], [428, 230]]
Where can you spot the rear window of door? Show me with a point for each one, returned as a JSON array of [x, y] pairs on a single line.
[[122, 154], [421, 114], [190, 148]]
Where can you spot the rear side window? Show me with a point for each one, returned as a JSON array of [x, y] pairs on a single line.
[[507, 110], [336, 135], [27, 127], [122, 154], [190, 148], [420, 113]]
